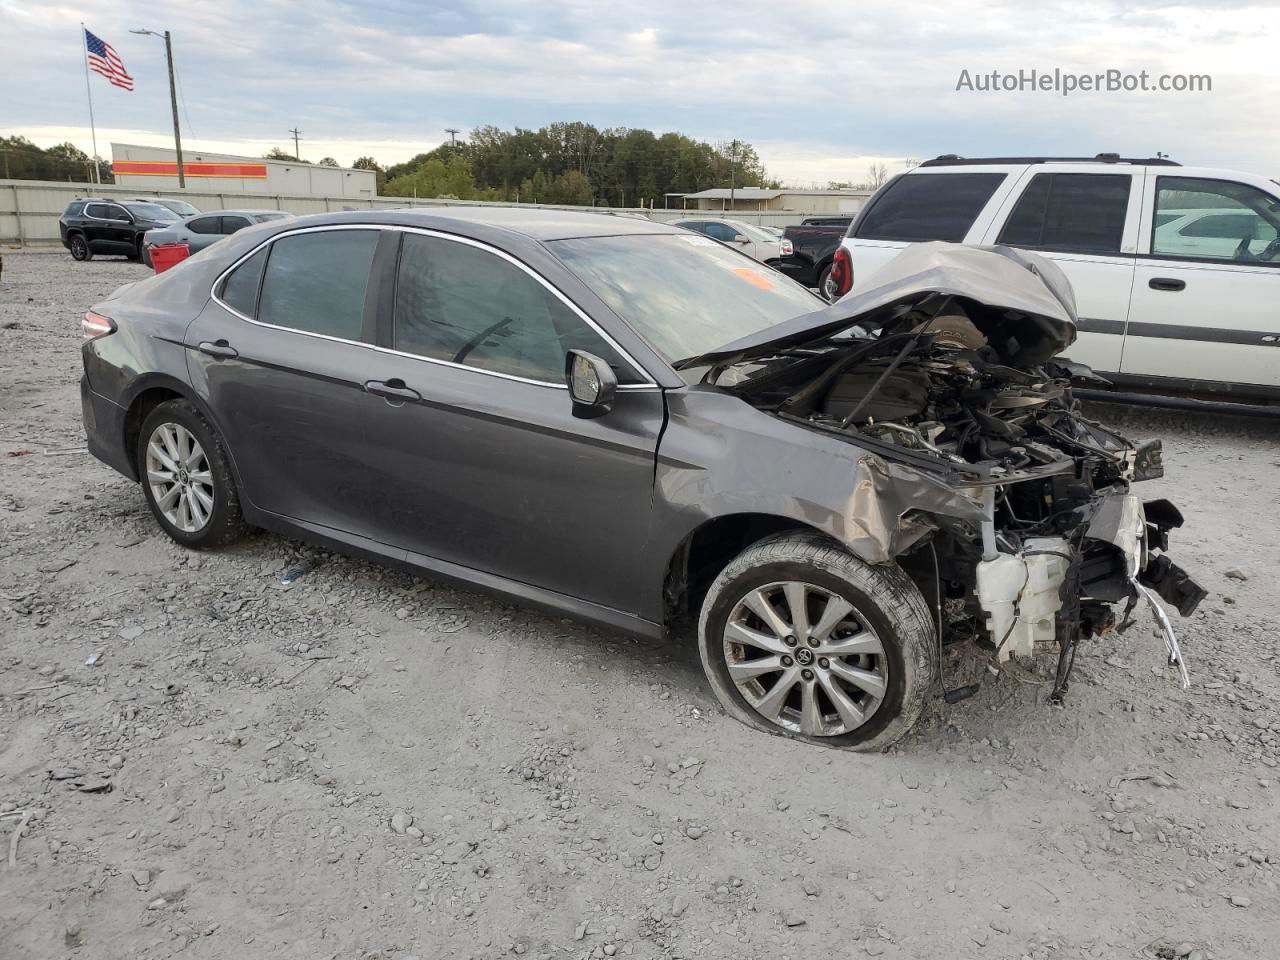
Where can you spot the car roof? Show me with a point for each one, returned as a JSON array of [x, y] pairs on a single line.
[[535, 223], [239, 212]]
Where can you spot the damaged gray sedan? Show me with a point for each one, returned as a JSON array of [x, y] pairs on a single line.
[[622, 422]]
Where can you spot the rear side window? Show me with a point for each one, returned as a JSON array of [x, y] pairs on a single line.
[[316, 282], [203, 225], [98, 210], [232, 224], [462, 304], [933, 206], [1082, 212], [240, 290]]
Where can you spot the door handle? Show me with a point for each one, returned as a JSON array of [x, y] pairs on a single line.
[[392, 390], [1167, 283], [219, 350]]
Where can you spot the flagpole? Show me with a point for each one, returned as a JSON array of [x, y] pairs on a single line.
[[97, 177]]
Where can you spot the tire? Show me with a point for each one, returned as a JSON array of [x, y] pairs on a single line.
[[889, 624], [205, 511], [79, 247], [824, 279]]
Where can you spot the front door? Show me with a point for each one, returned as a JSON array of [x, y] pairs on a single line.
[[1087, 224], [1206, 302], [281, 355], [475, 449]]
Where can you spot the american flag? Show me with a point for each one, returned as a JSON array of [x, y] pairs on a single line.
[[103, 59]]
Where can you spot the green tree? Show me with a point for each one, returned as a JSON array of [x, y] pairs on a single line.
[[444, 178], [326, 162], [275, 153]]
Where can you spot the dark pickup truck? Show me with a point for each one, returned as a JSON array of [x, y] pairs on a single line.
[[814, 244]]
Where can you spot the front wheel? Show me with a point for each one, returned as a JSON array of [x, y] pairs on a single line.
[[186, 477], [79, 247], [800, 638]]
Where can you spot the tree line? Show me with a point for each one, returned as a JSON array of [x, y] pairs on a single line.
[[20, 159], [571, 163]]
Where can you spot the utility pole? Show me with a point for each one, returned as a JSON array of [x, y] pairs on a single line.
[[173, 99], [733, 163], [297, 134], [453, 135]]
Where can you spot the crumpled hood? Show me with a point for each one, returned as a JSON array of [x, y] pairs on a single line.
[[1029, 309]]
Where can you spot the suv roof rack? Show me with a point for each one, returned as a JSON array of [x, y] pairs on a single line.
[[954, 160]]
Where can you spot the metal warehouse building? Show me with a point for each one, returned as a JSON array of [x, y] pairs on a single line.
[[156, 168]]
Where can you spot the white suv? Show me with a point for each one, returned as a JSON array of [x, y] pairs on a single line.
[[1176, 270]]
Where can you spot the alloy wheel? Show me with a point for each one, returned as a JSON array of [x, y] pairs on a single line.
[[804, 660], [179, 477], [79, 248]]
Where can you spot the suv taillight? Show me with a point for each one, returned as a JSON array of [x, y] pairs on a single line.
[[96, 325], [841, 273], [786, 248]]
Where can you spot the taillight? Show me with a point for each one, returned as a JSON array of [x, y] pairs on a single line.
[[786, 248], [841, 273], [96, 325]]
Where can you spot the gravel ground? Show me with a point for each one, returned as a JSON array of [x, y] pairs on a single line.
[[273, 750]]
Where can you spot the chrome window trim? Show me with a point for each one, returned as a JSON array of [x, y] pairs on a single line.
[[105, 203], [649, 383]]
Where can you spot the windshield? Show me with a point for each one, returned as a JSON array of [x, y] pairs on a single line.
[[686, 295], [151, 211]]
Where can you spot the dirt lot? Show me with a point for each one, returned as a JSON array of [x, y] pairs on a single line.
[[275, 751]]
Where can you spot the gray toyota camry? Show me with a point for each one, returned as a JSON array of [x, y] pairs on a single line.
[[637, 426]]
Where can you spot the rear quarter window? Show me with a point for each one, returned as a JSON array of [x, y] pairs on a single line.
[[932, 206], [74, 209]]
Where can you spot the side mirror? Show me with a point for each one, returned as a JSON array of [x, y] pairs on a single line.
[[739, 238], [592, 383]]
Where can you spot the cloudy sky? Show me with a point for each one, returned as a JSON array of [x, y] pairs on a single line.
[[823, 89]]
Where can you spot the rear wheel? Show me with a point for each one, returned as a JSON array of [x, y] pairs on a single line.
[[186, 477], [79, 247], [799, 638], [825, 286]]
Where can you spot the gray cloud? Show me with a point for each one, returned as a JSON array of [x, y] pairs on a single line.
[[809, 79]]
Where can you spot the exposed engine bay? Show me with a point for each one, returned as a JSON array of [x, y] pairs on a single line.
[[974, 395]]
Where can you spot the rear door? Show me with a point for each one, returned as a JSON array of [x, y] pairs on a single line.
[[281, 354], [479, 460], [203, 231], [1205, 312], [1087, 222]]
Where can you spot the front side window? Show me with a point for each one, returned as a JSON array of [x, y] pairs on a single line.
[[316, 282], [153, 211], [933, 206], [1215, 220], [721, 231], [1074, 212], [116, 213], [462, 304], [685, 295]]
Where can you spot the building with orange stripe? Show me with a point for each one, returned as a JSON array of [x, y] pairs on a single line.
[[156, 169]]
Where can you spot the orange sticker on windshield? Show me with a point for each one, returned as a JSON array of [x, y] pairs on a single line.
[[754, 277]]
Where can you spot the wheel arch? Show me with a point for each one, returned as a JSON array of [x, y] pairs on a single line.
[[707, 549], [147, 394]]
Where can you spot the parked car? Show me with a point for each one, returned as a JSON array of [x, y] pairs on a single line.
[[755, 242], [1176, 269], [92, 225], [813, 248], [205, 229], [181, 207], [597, 416]]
